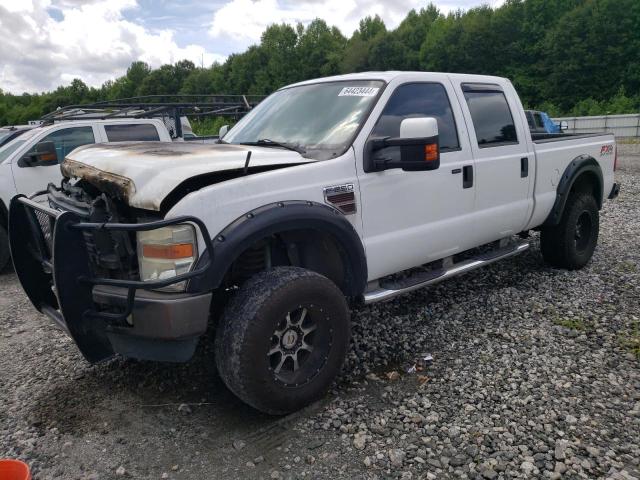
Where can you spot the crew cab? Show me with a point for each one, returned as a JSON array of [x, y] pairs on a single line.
[[330, 193], [30, 160]]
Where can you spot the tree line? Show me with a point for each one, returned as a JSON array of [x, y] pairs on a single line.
[[573, 57]]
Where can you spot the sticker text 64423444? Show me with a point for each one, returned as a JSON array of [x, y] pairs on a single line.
[[358, 92]]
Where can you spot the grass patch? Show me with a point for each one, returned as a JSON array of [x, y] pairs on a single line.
[[631, 339], [628, 266], [571, 323], [628, 140]]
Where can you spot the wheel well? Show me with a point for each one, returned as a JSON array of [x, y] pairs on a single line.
[[588, 182], [308, 248], [582, 174]]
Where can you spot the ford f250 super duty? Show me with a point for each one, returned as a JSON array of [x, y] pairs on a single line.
[[331, 192]]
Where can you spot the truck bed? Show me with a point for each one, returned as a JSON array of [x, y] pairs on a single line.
[[549, 170]]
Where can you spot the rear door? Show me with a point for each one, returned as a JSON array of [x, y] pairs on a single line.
[[503, 159]]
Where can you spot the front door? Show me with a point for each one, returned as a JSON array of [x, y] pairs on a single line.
[[32, 179], [411, 218]]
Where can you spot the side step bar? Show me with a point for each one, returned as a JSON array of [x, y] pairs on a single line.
[[382, 294]]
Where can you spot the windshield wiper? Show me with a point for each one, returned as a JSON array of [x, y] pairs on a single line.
[[266, 142]]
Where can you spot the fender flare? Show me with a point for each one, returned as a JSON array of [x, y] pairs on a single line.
[[578, 166], [269, 219]]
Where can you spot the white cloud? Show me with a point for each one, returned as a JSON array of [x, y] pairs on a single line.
[[92, 41], [46, 43], [245, 20]]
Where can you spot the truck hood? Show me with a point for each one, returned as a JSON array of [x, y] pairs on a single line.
[[144, 173]]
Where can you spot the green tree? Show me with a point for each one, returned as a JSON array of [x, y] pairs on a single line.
[[319, 49]]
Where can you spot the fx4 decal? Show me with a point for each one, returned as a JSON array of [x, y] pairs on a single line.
[[606, 150]]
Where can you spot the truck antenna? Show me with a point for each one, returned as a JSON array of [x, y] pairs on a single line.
[[246, 162]]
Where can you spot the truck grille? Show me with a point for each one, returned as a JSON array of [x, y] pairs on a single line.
[[111, 254]]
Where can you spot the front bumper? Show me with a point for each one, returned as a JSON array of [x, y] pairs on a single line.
[[104, 316]]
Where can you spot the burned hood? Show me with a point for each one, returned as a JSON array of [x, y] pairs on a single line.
[[144, 173]]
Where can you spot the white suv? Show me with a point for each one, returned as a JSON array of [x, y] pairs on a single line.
[[22, 173]]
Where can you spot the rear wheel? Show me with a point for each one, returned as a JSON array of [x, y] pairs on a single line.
[[571, 243], [282, 339], [4, 248]]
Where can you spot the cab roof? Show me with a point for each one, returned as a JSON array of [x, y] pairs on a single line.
[[392, 75]]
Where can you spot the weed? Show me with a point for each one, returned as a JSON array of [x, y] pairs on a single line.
[[571, 323], [631, 339]]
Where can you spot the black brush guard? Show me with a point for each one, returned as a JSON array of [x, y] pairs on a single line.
[[52, 263]]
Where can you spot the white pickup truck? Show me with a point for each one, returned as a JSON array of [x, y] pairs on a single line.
[[331, 192], [31, 160]]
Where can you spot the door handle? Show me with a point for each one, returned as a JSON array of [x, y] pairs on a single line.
[[467, 176], [524, 167]]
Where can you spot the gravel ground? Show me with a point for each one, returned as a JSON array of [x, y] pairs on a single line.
[[533, 375]]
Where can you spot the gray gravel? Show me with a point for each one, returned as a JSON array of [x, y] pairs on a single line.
[[533, 375]]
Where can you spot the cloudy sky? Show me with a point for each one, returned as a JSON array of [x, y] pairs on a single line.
[[46, 43]]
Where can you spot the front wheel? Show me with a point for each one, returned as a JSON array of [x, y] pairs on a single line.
[[571, 243], [282, 339]]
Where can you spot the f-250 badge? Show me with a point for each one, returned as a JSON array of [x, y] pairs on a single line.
[[606, 150]]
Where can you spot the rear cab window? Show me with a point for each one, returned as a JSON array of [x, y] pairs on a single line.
[[492, 119], [133, 132]]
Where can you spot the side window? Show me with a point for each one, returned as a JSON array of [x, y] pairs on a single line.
[[68, 139], [419, 100], [492, 119], [135, 132]]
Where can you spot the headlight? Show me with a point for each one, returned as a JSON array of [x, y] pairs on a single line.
[[167, 252]]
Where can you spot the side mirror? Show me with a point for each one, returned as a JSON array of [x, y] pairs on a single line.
[[43, 155], [223, 131], [418, 148], [564, 125]]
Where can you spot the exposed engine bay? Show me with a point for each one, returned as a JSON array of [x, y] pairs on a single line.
[[112, 253]]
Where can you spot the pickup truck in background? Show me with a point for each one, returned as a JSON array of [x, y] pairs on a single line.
[[331, 192], [541, 122], [30, 161]]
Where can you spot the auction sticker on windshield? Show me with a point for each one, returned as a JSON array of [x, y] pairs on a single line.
[[358, 92]]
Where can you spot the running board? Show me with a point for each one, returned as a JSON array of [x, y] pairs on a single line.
[[382, 294]]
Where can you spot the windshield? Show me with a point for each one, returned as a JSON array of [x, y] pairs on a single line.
[[5, 134], [319, 120], [9, 148]]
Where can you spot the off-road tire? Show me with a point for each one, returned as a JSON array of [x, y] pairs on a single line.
[[569, 244], [252, 321], [5, 256]]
